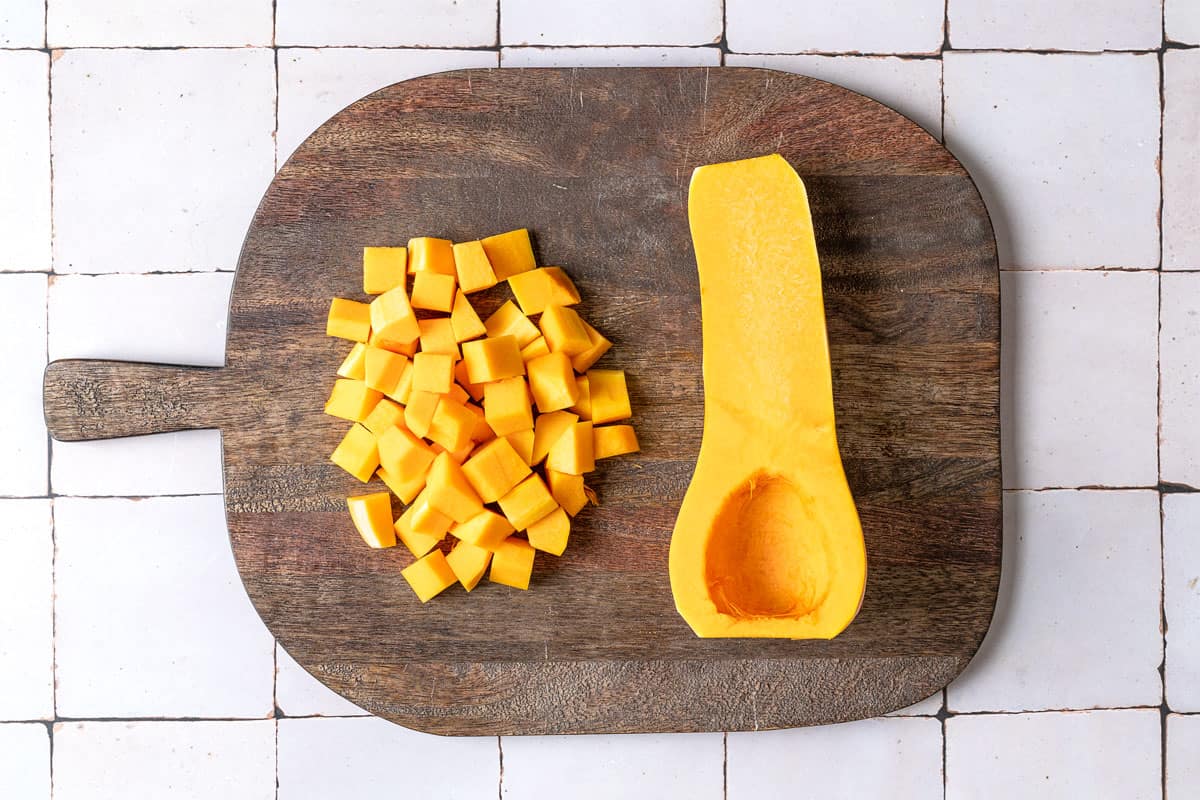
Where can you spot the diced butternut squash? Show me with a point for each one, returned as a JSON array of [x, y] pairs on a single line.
[[357, 453], [597, 347], [437, 336], [402, 454], [507, 320], [537, 347], [613, 440], [464, 322], [469, 563], [354, 365], [426, 518], [522, 442], [482, 432], [452, 425], [567, 491], [405, 488], [541, 287], [417, 543], [527, 502], [403, 388], [384, 268], [573, 452], [448, 490], [418, 414], [512, 563], [506, 406], [386, 414], [458, 394], [433, 372], [348, 319], [473, 267], [372, 516], [426, 254], [492, 359], [509, 253], [430, 576], [384, 369], [564, 330], [546, 430], [549, 534], [351, 400], [487, 529], [433, 291], [463, 378], [495, 469], [552, 382], [583, 403], [392, 317], [403, 348], [609, 395]]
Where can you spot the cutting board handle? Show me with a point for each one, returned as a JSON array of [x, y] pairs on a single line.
[[93, 399]]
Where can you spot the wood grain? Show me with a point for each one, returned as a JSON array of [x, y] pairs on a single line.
[[596, 163]]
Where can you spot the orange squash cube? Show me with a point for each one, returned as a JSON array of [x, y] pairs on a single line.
[[613, 440], [527, 502], [392, 317], [512, 563], [549, 534], [437, 336], [418, 414], [403, 388], [386, 414], [509, 253], [430, 576], [583, 403], [546, 430], [552, 382], [372, 516], [563, 330], [357, 453], [464, 322], [448, 490], [452, 425], [537, 347], [417, 543], [494, 469], [354, 365], [463, 378], [402, 454], [384, 268], [482, 432], [384, 369], [507, 320], [426, 254], [609, 395], [522, 442], [473, 267], [469, 563], [573, 452], [433, 291], [492, 359], [351, 400], [598, 346], [458, 394], [541, 287], [406, 489], [567, 491], [506, 406], [433, 372], [348, 319], [403, 348], [487, 529], [426, 518]]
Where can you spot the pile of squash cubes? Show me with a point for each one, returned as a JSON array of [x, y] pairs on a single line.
[[483, 429]]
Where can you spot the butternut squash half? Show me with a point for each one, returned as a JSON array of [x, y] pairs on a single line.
[[767, 542]]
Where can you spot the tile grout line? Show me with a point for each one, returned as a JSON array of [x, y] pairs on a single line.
[[1162, 550], [275, 168], [500, 775], [725, 765], [723, 42], [49, 444]]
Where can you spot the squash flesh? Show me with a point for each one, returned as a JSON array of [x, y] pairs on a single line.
[[768, 541]]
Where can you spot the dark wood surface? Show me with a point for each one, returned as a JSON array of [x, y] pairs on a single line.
[[596, 163]]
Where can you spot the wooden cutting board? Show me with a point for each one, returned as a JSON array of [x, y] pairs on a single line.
[[596, 163]]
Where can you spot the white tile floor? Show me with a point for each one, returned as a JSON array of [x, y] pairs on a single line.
[[125, 633]]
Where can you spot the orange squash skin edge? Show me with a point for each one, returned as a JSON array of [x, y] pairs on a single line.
[[768, 542]]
